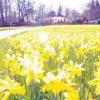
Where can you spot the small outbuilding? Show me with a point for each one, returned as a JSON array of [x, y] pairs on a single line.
[[55, 20]]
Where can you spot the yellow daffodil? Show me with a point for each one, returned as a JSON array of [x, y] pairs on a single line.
[[97, 91], [8, 87], [97, 64], [55, 86], [6, 96], [72, 95], [17, 90], [30, 77], [73, 69], [95, 82]]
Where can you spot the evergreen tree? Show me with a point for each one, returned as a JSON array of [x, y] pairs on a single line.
[[94, 10], [97, 9], [59, 13]]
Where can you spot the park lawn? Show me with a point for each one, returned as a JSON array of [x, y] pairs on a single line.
[[53, 63]]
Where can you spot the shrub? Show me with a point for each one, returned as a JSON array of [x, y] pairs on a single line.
[[77, 21], [98, 21]]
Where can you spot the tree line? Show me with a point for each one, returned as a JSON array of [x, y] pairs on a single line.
[[19, 11]]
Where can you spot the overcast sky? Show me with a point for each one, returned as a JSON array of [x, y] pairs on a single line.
[[73, 4]]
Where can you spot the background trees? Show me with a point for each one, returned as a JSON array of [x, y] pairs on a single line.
[[20, 11], [92, 10], [1, 12], [59, 12]]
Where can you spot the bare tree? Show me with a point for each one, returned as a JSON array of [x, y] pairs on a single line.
[[6, 10], [41, 12], [1, 12], [67, 13], [74, 14], [20, 7], [29, 10]]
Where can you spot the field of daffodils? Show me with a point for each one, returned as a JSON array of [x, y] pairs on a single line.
[[52, 63]]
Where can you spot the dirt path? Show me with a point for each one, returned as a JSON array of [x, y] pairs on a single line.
[[7, 33]]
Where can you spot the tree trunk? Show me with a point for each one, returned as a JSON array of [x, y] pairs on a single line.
[[1, 13]]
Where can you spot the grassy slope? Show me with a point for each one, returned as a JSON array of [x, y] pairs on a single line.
[[4, 44]]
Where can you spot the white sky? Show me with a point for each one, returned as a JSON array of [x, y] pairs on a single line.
[[73, 4]]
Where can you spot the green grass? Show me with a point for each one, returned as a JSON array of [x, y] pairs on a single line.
[[3, 48]]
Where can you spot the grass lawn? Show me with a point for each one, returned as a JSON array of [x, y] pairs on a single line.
[[59, 62]]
